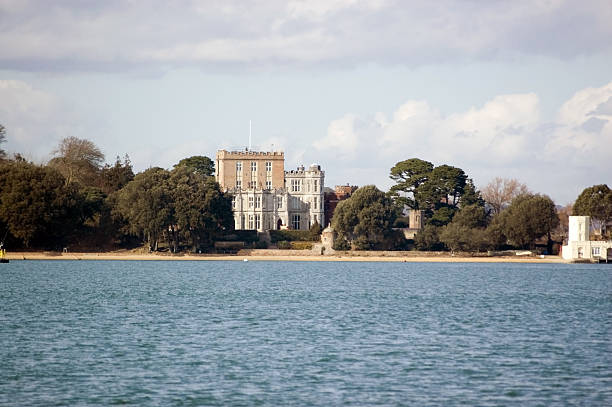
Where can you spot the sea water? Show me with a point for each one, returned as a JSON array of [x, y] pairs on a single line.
[[304, 333]]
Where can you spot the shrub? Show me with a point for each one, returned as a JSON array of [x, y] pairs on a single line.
[[428, 238], [315, 231], [290, 235], [341, 244], [283, 244], [301, 245], [248, 236], [261, 244]]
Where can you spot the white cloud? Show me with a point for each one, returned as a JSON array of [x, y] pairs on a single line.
[[37, 120], [583, 134], [504, 137], [42, 35], [496, 132], [32, 119]]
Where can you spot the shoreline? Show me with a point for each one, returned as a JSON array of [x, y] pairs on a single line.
[[359, 257]]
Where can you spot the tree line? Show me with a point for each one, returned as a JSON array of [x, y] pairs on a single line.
[[458, 216], [78, 201]]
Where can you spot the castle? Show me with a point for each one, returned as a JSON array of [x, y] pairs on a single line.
[[265, 196]]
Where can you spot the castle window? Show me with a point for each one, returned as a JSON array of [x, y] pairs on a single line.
[[295, 222], [257, 221], [239, 183], [251, 225], [296, 185], [268, 166], [268, 184], [279, 202], [316, 202], [253, 166], [258, 202], [316, 185], [239, 166], [250, 202], [233, 202], [595, 251]]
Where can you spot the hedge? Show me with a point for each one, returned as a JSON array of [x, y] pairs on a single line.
[[290, 235]]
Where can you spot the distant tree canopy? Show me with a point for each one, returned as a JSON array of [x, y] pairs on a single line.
[[78, 160], [182, 203], [76, 198], [200, 208], [409, 175], [438, 191], [596, 202], [527, 218], [146, 205], [36, 205], [198, 163], [467, 231], [366, 218], [115, 177]]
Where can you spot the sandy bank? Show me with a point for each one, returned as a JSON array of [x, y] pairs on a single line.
[[274, 255]]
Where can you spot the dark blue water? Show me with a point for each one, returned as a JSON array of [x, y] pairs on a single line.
[[304, 333]]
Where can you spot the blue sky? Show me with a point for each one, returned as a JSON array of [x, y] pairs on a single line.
[[518, 89]]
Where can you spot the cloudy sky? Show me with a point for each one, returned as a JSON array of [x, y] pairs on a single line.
[[517, 89]]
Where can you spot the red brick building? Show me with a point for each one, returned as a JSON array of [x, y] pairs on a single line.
[[332, 197]]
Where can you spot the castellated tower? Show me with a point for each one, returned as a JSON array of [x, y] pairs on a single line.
[[265, 196]]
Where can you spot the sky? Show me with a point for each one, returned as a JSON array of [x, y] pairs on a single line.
[[515, 89]]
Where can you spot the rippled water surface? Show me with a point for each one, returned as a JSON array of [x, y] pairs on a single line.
[[304, 333]]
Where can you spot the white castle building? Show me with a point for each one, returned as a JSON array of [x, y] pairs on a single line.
[[265, 196]]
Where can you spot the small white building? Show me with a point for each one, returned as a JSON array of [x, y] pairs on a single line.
[[580, 247]]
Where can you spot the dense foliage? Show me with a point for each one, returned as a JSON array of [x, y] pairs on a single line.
[[596, 202], [529, 217], [77, 201], [36, 205], [199, 164], [365, 219], [438, 191]]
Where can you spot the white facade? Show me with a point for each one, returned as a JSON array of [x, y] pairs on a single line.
[[298, 205], [579, 245]]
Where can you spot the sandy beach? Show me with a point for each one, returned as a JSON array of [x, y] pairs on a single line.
[[278, 255]]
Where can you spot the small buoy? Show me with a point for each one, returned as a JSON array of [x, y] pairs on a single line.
[[245, 260]]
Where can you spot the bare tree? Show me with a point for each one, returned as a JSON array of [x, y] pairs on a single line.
[[2, 140], [78, 160], [501, 191], [564, 213]]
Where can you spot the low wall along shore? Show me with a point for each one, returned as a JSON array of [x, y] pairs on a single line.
[[290, 255]]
